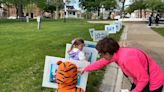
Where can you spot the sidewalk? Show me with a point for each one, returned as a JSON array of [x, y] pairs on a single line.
[[135, 35]]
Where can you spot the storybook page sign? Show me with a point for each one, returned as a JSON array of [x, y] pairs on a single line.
[[99, 35], [110, 29], [51, 67], [90, 44], [91, 30], [90, 53]]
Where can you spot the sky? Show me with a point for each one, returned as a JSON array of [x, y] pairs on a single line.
[[128, 2]]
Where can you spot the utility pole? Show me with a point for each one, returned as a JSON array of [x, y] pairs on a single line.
[[122, 10], [64, 1]]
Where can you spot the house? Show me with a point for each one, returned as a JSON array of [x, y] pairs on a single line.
[[10, 11], [72, 9]]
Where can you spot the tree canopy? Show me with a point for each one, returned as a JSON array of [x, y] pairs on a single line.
[[154, 5]]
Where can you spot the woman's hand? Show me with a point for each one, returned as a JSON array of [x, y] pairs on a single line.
[[81, 70]]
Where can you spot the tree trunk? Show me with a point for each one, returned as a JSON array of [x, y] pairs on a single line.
[[140, 13], [145, 13], [19, 10], [8, 15], [52, 14], [16, 6], [109, 14], [98, 11]]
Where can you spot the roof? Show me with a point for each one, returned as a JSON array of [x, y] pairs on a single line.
[[70, 7]]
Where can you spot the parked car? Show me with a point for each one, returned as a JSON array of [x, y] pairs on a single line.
[[161, 20]]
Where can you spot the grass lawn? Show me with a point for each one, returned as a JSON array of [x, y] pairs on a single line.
[[23, 50], [159, 30]]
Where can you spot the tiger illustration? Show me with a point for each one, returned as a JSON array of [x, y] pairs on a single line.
[[66, 77]]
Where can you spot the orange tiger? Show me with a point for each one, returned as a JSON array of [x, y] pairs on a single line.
[[66, 77]]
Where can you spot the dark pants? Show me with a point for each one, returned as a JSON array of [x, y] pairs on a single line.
[[150, 23], [157, 22], [157, 90]]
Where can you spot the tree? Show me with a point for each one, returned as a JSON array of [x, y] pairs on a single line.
[[40, 3], [95, 5], [28, 8], [131, 8], [137, 5], [151, 4], [18, 5], [5, 3], [90, 5], [109, 5], [155, 5], [122, 9], [160, 7], [50, 8], [58, 4]]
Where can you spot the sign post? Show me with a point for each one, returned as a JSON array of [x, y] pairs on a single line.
[[39, 22]]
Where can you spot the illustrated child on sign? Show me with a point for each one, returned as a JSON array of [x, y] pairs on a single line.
[[67, 77], [75, 52]]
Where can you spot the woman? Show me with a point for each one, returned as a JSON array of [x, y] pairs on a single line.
[[133, 62]]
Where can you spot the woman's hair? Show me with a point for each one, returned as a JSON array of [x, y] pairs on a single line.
[[76, 42], [107, 45]]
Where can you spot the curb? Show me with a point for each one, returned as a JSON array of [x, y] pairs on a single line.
[[118, 83]]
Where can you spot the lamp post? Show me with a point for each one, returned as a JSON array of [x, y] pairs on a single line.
[[122, 10]]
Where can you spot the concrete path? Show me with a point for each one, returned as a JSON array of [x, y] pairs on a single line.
[[135, 35]]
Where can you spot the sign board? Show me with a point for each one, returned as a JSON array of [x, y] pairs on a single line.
[[90, 44], [99, 35], [50, 67], [110, 29], [91, 30], [90, 53], [118, 25]]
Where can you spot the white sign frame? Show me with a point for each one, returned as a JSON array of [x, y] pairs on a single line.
[[50, 60], [99, 35], [90, 44], [110, 29], [91, 30], [119, 24]]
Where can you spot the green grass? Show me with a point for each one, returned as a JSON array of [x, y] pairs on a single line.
[[23, 50], [159, 30]]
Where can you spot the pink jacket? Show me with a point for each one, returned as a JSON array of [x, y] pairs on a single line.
[[134, 64]]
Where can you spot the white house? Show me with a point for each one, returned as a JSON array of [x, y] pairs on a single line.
[[72, 9]]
